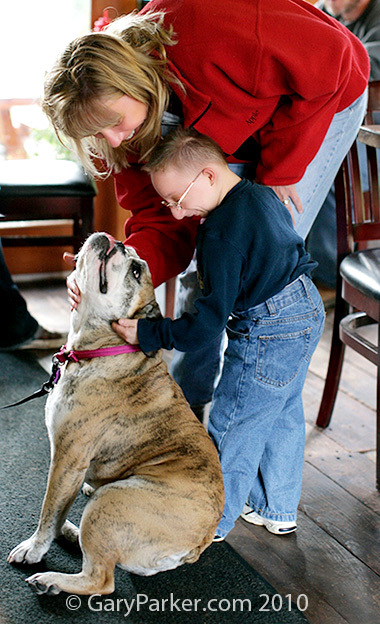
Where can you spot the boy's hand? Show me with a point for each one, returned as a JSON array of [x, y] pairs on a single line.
[[126, 329]]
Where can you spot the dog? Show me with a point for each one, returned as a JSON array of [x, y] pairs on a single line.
[[121, 425]]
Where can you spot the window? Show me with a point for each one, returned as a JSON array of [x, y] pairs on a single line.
[[30, 41]]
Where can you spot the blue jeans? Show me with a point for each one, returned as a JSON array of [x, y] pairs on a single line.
[[256, 417], [320, 173], [16, 324], [189, 369]]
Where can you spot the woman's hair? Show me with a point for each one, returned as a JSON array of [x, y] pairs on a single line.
[[184, 148], [128, 58]]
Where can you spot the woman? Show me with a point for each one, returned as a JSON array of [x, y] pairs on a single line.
[[277, 83]]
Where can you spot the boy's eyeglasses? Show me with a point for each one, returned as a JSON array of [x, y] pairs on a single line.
[[177, 204]]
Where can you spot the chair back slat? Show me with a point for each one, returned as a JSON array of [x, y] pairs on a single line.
[[362, 207], [373, 101], [359, 211], [361, 221], [344, 236], [373, 179]]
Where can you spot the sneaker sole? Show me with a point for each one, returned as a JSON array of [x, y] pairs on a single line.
[[281, 531], [217, 539], [272, 529]]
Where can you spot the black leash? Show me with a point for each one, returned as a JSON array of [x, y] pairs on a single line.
[[45, 388]]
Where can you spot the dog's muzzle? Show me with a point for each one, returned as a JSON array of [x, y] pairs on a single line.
[[107, 247]]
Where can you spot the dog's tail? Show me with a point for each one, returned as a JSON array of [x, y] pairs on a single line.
[[193, 555]]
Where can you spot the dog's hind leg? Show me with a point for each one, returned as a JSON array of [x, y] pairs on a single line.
[[70, 532]]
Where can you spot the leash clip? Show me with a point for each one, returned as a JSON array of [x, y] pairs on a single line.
[[55, 375]]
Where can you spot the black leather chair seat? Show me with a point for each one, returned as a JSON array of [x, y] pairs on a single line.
[[43, 178], [43, 190], [362, 271]]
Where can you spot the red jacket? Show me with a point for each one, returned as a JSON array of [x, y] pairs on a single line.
[[264, 79]]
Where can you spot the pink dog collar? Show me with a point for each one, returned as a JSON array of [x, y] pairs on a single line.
[[74, 356]]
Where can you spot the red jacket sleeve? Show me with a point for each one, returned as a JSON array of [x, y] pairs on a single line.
[[166, 244]]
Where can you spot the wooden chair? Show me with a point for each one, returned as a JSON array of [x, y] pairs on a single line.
[[358, 275], [39, 190]]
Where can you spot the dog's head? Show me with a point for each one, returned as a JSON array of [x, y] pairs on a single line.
[[114, 282]]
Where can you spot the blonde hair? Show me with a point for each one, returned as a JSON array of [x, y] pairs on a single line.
[[128, 58], [185, 148]]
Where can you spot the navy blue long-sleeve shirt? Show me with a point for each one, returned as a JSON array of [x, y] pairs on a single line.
[[247, 251]]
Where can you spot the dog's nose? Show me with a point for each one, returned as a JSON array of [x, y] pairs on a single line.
[[120, 247], [102, 243], [111, 242]]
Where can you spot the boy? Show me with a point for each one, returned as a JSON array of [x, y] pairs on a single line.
[[255, 278]]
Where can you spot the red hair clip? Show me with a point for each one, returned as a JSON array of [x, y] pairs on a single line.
[[101, 23]]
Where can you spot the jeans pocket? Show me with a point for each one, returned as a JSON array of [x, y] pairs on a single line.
[[280, 356]]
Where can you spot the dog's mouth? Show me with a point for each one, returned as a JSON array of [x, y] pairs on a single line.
[[107, 246]]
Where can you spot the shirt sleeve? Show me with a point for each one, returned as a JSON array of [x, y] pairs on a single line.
[[222, 270]]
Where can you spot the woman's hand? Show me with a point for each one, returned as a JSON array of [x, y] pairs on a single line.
[[287, 193], [126, 329], [73, 291]]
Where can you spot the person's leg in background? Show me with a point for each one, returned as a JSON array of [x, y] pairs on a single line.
[[16, 324], [197, 371], [321, 242], [320, 173], [18, 328]]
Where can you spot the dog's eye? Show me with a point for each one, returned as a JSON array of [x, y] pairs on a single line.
[[136, 270]]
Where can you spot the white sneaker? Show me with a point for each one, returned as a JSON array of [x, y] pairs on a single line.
[[278, 527], [219, 538]]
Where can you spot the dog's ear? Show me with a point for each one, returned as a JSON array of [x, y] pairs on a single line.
[[151, 311]]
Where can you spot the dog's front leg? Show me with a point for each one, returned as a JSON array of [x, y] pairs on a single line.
[[63, 485]]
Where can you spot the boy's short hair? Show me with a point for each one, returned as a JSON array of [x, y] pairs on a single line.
[[184, 147]]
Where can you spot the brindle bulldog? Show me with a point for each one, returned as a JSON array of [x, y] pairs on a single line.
[[122, 425]]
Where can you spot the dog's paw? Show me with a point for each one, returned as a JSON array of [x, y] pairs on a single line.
[[87, 489], [27, 552], [43, 583]]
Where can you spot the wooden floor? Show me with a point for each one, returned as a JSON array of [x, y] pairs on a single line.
[[334, 557]]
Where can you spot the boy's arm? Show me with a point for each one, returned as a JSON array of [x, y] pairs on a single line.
[[193, 331]]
